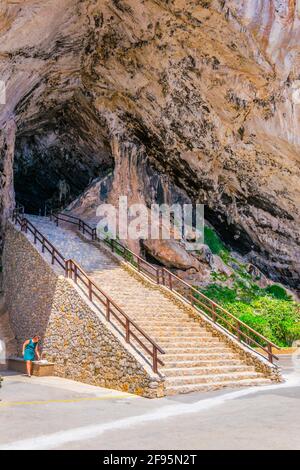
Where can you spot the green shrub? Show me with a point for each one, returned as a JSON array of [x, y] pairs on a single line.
[[278, 292], [220, 294], [213, 241], [269, 311], [259, 324], [276, 319]]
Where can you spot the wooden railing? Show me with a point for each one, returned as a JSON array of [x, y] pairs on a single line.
[[244, 333], [228, 322], [116, 247], [113, 313], [19, 210]]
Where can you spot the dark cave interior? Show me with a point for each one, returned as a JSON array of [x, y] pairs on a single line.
[[54, 162]]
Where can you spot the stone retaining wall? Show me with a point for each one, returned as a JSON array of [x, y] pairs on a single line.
[[75, 337]]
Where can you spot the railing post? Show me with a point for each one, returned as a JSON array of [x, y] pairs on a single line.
[[107, 310], [191, 297], [75, 273], [94, 234], [53, 256], [112, 245], [270, 355], [138, 264], [238, 330], [70, 271], [90, 290], [23, 223], [127, 330], [170, 281], [67, 268], [163, 277], [214, 313], [154, 359], [157, 276], [34, 236]]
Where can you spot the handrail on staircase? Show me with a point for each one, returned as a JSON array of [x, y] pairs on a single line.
[[73, 271], [219, 315], [137, 261], [215, 312]]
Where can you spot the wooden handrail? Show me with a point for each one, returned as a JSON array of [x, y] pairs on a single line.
[[142, 264], [240, 323], [166, 278], [112, 309], [46, 244], [113, 303], [220, 308]]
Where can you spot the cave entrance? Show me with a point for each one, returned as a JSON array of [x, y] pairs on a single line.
[[54, 163]]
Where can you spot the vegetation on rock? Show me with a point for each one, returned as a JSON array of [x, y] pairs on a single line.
[[271, 310]]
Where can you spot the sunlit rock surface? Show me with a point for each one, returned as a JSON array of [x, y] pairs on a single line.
[[200, 96]]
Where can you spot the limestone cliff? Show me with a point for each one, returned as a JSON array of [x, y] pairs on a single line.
[[193, 98]]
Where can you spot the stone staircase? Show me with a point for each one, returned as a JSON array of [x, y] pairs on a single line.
[[196, 358]]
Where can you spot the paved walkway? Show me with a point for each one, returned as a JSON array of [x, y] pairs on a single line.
[[54, 413]]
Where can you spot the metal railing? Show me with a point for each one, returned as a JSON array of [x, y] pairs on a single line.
[[112, 311], [162, 276]]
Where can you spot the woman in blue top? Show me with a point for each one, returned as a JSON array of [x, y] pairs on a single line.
[[30, 348]]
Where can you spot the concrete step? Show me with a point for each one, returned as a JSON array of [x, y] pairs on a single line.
[[182, 325], [178, 334], [194, 362], [166, 324], [157, 315], [177, 389], [207, 370], [211, 378], [185, 342], [192, 350], [191, 341]]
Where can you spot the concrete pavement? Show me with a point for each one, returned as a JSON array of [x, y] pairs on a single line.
[[54, 413]]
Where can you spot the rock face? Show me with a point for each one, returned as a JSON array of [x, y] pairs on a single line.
[[197, 99]]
